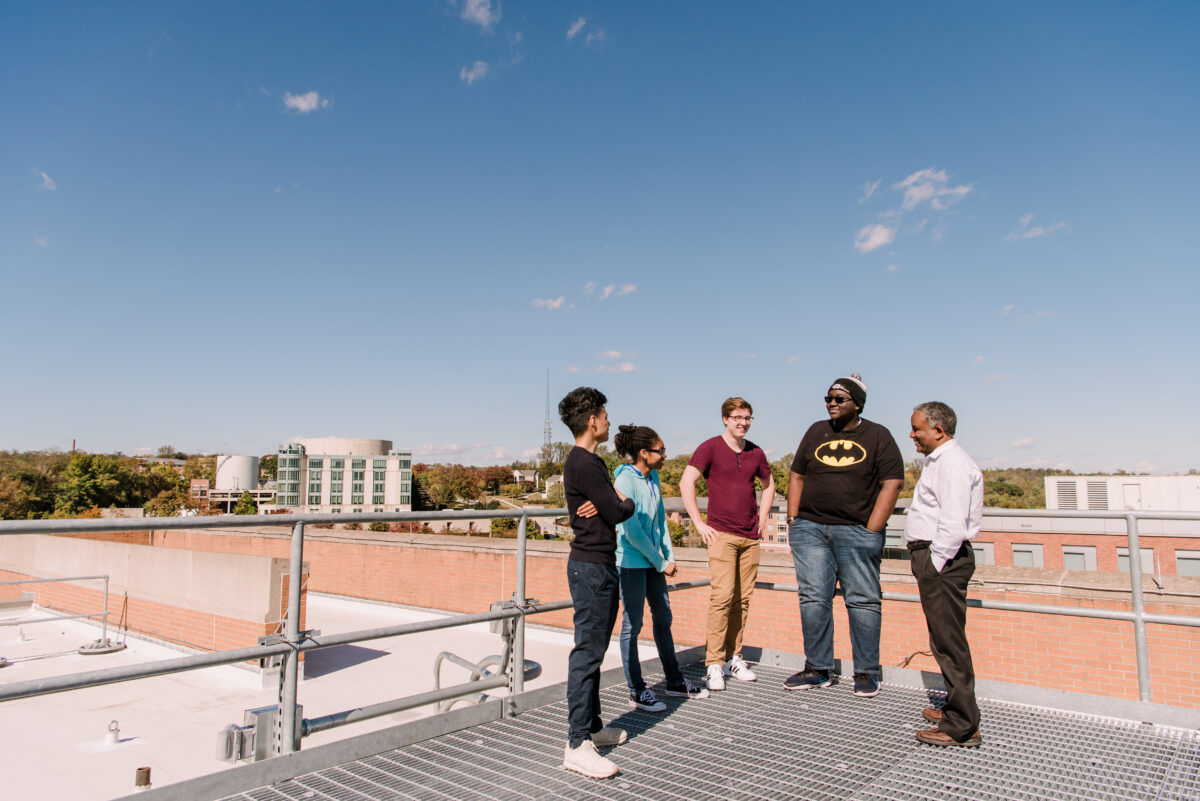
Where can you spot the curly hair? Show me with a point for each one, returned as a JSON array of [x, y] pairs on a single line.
[[579, 406]]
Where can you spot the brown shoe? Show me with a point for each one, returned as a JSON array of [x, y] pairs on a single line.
[[939, 737], [932, 713]]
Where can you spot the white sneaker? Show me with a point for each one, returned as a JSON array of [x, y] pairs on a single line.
[[738, 668], [586, 760], [715, 678], [609, 736], [646, 701]]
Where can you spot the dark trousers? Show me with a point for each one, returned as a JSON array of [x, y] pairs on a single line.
[[595, 594], [944, 601]]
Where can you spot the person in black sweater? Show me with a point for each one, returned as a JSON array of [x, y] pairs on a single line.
[[595, 508]]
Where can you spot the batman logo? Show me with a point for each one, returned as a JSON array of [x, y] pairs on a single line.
[[840, 453]]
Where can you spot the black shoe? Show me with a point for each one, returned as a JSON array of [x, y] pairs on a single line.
[[866, 685], [807, 679]]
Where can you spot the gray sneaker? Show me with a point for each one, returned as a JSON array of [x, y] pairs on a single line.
[[587, 760]]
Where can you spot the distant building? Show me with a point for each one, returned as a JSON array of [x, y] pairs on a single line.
[[198, 489], [1124, 493], [337, 474], [525, 477]]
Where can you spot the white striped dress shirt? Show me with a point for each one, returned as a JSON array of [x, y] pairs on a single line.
[[947, 507]]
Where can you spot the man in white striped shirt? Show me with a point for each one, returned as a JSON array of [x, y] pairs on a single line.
[[945, 515]]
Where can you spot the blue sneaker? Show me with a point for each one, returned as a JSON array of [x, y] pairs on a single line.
[[808, 679], [866, 685]]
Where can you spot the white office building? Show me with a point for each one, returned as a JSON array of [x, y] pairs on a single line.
[[338, 474]]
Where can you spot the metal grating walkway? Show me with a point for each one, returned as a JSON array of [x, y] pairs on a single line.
[[758, 741]]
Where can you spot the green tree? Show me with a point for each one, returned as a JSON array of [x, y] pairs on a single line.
[[678, 532], [268, 467], [168, 503], [245, 505], [556, 496], [92, 480], [444, 485]]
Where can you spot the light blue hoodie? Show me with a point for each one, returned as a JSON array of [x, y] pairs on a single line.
[[642, 540]]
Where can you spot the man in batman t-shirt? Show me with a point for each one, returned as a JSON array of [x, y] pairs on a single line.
[[843, 486]]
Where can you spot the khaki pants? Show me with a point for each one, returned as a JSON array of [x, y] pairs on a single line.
[[733, 563]]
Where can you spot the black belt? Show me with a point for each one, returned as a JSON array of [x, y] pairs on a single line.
[[918, 545]]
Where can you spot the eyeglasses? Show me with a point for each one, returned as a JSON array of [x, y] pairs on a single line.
[[836, 399], [659, 451], [740, 419]]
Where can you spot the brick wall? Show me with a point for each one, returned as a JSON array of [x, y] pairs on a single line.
[[1106, 546], [246, 599], [1077, 654]]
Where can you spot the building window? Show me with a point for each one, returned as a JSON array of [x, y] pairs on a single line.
[[377, 511], [1027, 555], [335, 475], [405, 498], [985, 553], [337, 463], [406, 464], [1079, 557], [358, 464], [1147, 560], [358, 475], [1187, 563], [335, 511], [357, 511], [377, 499], [380, 464], [315, 464], [314, 499], [336, 499]]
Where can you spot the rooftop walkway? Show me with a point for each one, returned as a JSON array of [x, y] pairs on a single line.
[[757, 741]]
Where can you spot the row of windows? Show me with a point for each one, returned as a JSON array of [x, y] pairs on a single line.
[[315, 464], [358, 464]]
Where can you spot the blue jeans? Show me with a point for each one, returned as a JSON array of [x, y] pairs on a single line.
[[824, 555], [640, 585], [595, 595]]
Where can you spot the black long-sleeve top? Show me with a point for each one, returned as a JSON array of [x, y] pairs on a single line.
[[585, 478]]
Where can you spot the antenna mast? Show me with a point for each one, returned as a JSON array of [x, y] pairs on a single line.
[[546, 428]]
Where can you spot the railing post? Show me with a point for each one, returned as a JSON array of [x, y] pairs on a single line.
[[289, 675], [104, 619], [518, 651], [1139, 608]]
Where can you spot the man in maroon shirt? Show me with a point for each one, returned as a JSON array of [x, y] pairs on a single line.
[[735, 524]]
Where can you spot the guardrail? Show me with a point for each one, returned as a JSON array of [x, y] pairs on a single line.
[[294, 641]]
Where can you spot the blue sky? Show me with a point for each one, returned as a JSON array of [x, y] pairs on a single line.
[[223, 225]]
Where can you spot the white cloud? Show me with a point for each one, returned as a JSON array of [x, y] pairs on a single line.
[[473, 73], [868, 189], [500, 453], [573, 368], [479, 12], [1037, 231], [40, 240], [596, 39], [309, 101], [47, 183], [626, 289], [576, 27], [549, 303], [608, 290], [1035, 317], [444, 449], [792, 359], [529, 453], [620, 367], [1023, 442], [874, 236], [933, 186], [996, 379], [1145, 467], [483, 444], [751, 355], [589, 287], [979, 360], [893, 268], [611, 354], [1006, 309]]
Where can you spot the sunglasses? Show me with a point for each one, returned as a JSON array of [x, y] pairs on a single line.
[[836, 399], [659, 451]]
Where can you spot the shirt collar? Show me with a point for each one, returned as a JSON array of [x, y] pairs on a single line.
[[945, 447]]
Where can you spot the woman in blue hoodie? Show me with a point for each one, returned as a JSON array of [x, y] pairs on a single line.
[[645, 559]]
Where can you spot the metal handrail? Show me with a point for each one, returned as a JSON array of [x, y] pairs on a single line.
[[296, 641]]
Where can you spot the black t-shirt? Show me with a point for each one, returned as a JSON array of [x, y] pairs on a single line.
[[842, 471]]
